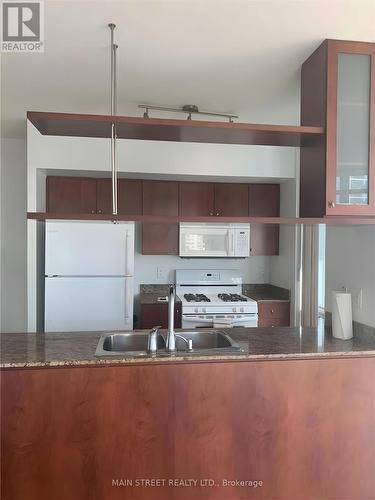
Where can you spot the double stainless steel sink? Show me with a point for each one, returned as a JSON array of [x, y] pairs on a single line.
[[135, 344]]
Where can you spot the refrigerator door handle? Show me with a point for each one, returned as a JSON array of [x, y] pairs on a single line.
[[126, 315], [129, 253]]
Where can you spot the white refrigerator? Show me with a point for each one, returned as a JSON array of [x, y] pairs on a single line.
[[89, 276]]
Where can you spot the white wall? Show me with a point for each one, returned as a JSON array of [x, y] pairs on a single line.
[[284, 267], [252, 269], [13, 235], [350, 263], [145, 158]]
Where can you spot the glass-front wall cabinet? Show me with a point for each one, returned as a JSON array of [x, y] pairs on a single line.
[[351, 152], [353, 125]]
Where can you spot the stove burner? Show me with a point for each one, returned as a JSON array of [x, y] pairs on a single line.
[[196, 297], [231, 297]]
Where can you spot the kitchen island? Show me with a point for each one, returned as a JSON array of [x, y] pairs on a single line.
[[291, 417]]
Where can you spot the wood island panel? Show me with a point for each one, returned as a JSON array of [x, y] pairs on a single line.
[[303, 427]]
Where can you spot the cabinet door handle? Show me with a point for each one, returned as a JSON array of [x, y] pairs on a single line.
[[331, 204], [272, 311]]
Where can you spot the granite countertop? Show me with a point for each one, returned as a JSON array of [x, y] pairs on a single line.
[[78, 349], [265, 298], [266, 293], [149, 294], [152, 298]]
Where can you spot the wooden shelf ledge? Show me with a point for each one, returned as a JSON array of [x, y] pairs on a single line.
[[339, 220], [159, 129]]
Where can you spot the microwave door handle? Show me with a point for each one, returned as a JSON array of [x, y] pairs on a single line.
[[230, 242], [227, 243]]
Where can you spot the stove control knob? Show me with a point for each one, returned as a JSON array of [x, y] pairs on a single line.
[[242, 310], [234, 309], [196, 310]]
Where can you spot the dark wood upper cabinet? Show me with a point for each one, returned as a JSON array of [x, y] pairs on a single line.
[[338, 93], [231, 200], [160, 198], [221, 199], [129, 196], [264, 239], [77, 195], [159, 238], [196, 198], [71, 194], [264, 201]]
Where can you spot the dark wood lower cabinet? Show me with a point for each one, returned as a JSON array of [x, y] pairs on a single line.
[[159, 239], [273, 313], [304, 428], [157, 314]]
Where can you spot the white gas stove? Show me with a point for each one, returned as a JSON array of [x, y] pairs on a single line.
[[213, 298]]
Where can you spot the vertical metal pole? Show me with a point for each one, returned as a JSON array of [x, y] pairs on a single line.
[[113, 114], [300, 273]]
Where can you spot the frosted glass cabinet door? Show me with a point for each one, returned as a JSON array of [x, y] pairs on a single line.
[[351, 164], [353, 125]]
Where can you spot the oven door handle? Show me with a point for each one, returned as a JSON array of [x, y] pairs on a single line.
[[197, 318]]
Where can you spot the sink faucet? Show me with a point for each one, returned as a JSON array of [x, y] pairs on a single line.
[[171, 338], [170, 341], [152, 341]]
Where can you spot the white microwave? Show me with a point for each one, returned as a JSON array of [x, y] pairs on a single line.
[[214, 240]]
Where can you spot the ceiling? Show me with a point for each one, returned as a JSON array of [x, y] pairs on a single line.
[[238, 56]]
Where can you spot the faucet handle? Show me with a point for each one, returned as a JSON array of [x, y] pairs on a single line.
[[152, 342], [155, 329]]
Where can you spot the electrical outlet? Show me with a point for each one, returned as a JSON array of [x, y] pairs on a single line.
[[160, 274]]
